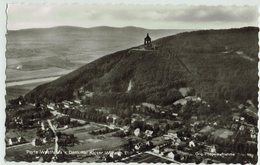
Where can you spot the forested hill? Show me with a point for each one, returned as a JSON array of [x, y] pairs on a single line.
[[218, 64]]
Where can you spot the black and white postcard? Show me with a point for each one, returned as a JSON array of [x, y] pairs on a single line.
[[130, 83]]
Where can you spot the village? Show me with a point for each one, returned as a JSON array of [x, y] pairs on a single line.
[[187, 130], [182, 132]]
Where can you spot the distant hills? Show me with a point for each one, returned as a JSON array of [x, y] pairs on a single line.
[[44, 52], [217, 64]]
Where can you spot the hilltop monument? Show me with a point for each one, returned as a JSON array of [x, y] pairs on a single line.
[[147, 41]]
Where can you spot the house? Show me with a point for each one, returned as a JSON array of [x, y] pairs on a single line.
[[168, 149], [241, 128], [77, 101], [185, 91], [116, 155], [176, 142], [43, 126], [193, 98], [137, 147], [36, 142], [51, 106], [236, 117], [81, 90], [137, 132], [15, 140], [242, 119], [181, 102], [171, 155], [12, 141], [191, 144], [251, 115], [140, 146], [234, 127], [206, 130], [151, 106], [113, 118], [253, 136], [137, 107], [126, 129], [67, 104], [89, 94], [18, 121], [136, 117], [213, 149], [148, 133], [44, 140], [172, 134], [175, 114], [65, 139], [241, 106], [253, 133], [210, 148], [251, 105], [149, 144], [156, 150]]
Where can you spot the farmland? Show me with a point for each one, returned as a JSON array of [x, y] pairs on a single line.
[[88, 141], [13, 92]]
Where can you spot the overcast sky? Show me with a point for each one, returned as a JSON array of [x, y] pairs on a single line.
[[147, 16]]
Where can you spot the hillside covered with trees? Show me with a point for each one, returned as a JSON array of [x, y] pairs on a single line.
[[216, 64]]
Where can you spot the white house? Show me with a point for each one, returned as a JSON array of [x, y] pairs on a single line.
[[137, 132], [137, 147], [77, 101], [148, 133], [171, 155], [156, 150], [170, 136], [213, 149], [51, 106], [13, 141], [191, 144]]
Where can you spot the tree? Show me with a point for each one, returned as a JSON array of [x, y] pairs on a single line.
[[127, 121]]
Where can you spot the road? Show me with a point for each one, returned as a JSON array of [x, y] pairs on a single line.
[[31, 81], [109, 126], [18, 145]]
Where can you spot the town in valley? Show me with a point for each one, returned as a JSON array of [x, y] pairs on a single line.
[[184, 89]]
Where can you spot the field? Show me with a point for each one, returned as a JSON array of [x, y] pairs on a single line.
[[20, 151], [18, 75], [83, 129], [13, 92], [28, 134], [88, 141]]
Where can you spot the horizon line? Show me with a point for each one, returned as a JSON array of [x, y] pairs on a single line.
[[91, 27], [121, 27]]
